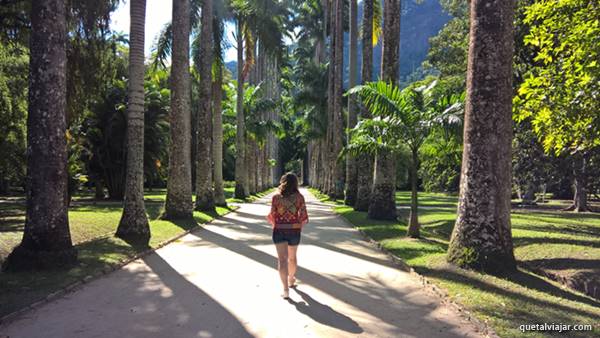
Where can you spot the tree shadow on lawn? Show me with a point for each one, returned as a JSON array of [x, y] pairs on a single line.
[[12, 224], [582, 216], [524, 279], [523, 241], [579, 274], [578, 229], [565, 263]]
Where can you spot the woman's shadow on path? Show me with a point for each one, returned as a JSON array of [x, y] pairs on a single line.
[[324, 314]]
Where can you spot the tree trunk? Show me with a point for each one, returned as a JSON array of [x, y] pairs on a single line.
[[99, 189], [179, 185], [251, 165], [351, 169], [338, 168], [365, 169], [134, 226], [580, 203], [383, 196], [240, 140], [205, 200], [46, 239], [413, 223], [218, 137], [482, 237]]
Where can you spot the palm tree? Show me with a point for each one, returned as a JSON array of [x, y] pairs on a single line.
[[254, 21], [365, 170], [482, 238], [46, 239], [178, 203], [204, 191], [383, 196], [405, 118], [134, 222], [351, 169]]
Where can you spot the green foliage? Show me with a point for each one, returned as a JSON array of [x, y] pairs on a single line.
[[14, 65], [103, 130], [402, 117], [448, 49], [561, 91]]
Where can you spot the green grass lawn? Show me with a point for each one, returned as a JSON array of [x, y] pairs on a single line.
[[92, 225], [546, 239]]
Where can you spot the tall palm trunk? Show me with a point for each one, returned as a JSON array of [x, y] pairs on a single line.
[[240, 140], [205, 200], [134, 226], [351, 169], [328, 173], [179, 185], [339, 172], [413, 223], [46, 239], [365, 169], [218, 137], [482, 234], [383, 197]]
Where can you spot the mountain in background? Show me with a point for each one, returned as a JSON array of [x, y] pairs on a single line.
[[420, 21]]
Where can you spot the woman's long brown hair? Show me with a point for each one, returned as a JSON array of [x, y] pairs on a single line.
[[288, 185]]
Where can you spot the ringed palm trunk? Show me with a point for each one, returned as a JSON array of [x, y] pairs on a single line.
[[365, 169], [383, 196], [482, 238], [250, 165], [205, 200], [134, 226], [329, 167], [218, 138], [339, 171], [351, 169], [179, 185], [46, 239], [413, 223], [240, 140]]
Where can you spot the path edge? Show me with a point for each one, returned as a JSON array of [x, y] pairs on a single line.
[[427, 284]]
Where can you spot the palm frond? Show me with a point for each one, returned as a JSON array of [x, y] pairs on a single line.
[[163, 46]]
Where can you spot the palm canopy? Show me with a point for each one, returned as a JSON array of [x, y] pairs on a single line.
[[260, 20], [401, 117], [254, 103]]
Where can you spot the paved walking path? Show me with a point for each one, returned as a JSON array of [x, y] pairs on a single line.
[[221, 281]]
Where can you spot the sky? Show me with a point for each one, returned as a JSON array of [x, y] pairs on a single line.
[[158, 13]]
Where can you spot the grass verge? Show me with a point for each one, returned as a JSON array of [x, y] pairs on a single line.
[[541, 237]]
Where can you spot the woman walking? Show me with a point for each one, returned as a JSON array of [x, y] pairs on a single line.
[[288, 215]]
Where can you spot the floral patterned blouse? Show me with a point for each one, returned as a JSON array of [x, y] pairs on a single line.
[[288, 212]]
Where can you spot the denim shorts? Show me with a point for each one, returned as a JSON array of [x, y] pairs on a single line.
[[292, 237]]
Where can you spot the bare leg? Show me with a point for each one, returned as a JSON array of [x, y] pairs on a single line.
[[292, 264], [282, 266]]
